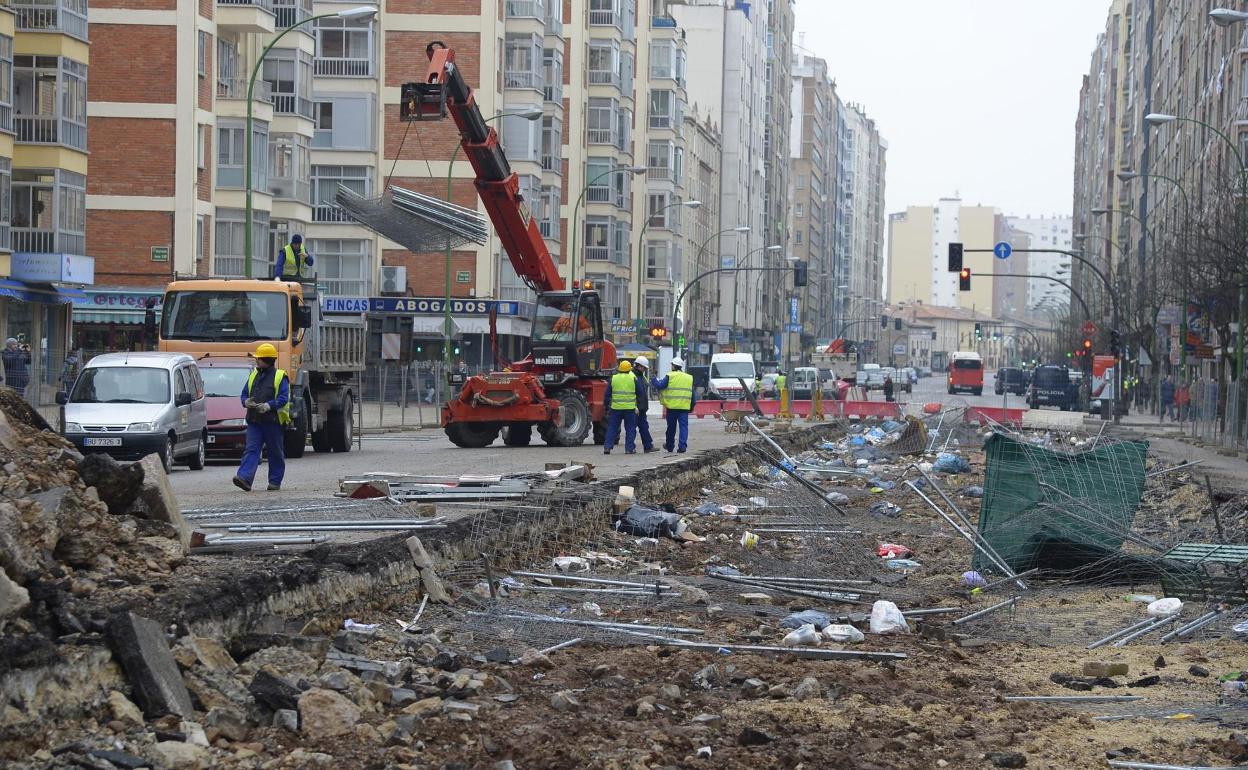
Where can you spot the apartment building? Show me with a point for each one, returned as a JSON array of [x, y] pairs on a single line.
[[1045, 232], [703, 237], [862, 216], [777, 113], [815, 108]]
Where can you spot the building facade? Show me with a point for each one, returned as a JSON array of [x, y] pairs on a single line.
[[1046, 232]]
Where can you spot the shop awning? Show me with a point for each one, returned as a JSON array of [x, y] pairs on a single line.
[[43, 293], [519, 327], [91, 315]]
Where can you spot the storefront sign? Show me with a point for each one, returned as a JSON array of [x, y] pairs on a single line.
[[332, 304], [427, 305], [622, 326], [121, 300], [53, 268], [160, 253]]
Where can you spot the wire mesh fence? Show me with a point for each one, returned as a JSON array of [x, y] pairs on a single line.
[[394, 394]]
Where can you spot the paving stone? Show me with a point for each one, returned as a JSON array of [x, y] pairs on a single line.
[[275, 692], [140, 645], [1100, 668]]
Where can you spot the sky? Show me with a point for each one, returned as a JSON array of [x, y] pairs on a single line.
[[975, 98]]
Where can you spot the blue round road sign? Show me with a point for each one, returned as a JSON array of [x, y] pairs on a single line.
[[1002, 250]]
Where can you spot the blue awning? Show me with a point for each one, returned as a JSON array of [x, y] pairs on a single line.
[[42, 293]]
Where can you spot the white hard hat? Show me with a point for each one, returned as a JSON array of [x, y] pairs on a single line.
[[641, 361], [678, 361]]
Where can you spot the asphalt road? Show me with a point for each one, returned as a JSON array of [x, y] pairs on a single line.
[[429, 452]]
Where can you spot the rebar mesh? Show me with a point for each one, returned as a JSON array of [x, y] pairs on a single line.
[[415, 221]]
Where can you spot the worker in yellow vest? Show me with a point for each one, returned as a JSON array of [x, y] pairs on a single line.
[[622, 408], [266, 396], [677, 396], [293, 262]]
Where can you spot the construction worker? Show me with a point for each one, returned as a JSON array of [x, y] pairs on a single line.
[[564, 324], [622, 408], [782, 383], [266, 395], [293, 261], [676, 394], [641, 368]]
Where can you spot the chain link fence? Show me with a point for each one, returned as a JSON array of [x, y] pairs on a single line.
[[395, 395]]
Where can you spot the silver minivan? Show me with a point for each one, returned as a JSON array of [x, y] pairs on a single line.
[[130, 405]]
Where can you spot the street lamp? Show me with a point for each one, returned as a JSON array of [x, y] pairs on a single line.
[[580, 198], [362, 12], [641, 240], [736, 278], [701, 249], [531, 114], [1225, 17]]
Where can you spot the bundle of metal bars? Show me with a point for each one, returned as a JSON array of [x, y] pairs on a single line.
[[416, 221]]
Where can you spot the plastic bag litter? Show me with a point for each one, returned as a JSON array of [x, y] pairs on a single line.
[[709, 509], [359, 628], [947, 462], [1240, 628], [892, 551], [862, 462], [920, 483], [926, 467], [592, 608], [891, 425], [841, 634], [902, 565], [571, 564], [973, 491], [887, 619], [647, 522], [731, 571], [807, 618], [882, 486], [806, 636], [973, 579], [1165, 607], [729, 510], [885, 508], [857, 441], [758, 502], [836, 497]]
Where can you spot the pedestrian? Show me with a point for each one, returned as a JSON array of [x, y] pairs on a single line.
[[69, 371], [266, 395], [621, 402], [676, 394], [782, 384], [888, 388], [15, 372], [293, 262], [1183, 400], [1167, 398], [149, 324], [641, 367]]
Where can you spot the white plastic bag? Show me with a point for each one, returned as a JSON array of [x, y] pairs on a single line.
[[571, 564], [839, 633], [1165, 607], [806, 636], [887, 619]]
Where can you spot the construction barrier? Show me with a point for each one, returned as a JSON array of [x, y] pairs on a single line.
[[985, 414], [771, 408]]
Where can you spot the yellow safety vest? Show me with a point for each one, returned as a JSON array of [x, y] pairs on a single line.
[[679, 391], [294, 265], [283, 414], [624, 391], [781, 382]]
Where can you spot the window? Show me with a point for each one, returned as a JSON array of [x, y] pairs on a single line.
[[289, 168], [549, 222], [797, 237], [6, 83], [228, 82], [231, 155], [6, 203], [602, 120], [344, 47], [660, 210], [598, 238], [289, 73], [522, 61], [344, 122], [200, 138], [656, 260], [800, 181], [325, 181], [657, 305], [50, 97], [604, 63], [799, 210], [662, 108], [605, 13], [598, 179], [200, 246], [202, 60], [552, 75], [229, 259], [663, 60], [49, 211], [521, 138], [552, 144], [343, 264], [659, 160]]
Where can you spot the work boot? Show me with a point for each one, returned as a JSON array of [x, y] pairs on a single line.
[[242, 483], [630, 451], [606, 451], [274, 487], [652, 449], [681, 451]]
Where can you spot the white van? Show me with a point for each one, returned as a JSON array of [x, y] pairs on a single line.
[[726, 368], [130, 405], [803, 383]]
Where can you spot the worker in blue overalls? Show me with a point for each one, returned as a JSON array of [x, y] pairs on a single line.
[[266, 396], [622, 408]]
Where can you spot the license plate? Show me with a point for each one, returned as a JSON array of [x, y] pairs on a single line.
[[212, 439], [90, 441]]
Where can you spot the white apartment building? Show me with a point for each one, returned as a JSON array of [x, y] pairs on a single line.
[[1047, 232]]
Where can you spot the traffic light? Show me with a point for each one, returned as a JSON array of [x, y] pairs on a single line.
[[680, 341], [1115, 342], [1087, 346], [955, 257], [964, 279], [979, 332], [800, 270], [883, 322], [897, 324]]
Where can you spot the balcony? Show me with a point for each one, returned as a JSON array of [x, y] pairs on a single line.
[[604, 78], [552, 92], [256, 16], [291, 104], [554, 19], [65, 16], [528, 80], [598, 253], [236, 88], [30, 239], [599, 193], [601, 136], [344, 68], [291, 189], [346, 286], [549, 229], [328, 212], [609, 18], [527, 9], [49, 129], [288, 13]]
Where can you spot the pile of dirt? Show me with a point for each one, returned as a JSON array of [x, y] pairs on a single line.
[[72, 529]]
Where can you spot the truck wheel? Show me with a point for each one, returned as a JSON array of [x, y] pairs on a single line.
[[320, 440], [574, 416], [517, 435], [978, 391], [600, 432], [472, 435], [341, 427], [296, 439]]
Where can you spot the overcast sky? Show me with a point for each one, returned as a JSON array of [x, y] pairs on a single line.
[[975, 97]]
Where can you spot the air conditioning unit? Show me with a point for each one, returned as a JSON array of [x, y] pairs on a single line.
[[393, 279]]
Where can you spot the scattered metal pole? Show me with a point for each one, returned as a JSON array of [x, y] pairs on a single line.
[[1098, 436], [746, 419], [599, 623], [812, 580], [1195, 625], [930, 611], [421, 610], [585, 579], [1121, 632], [1159, 622], [811, 531], [848, 598], [1091, 523], [331, 528], [325, 523], [986, 551], [814, 653], [1073, 698], [1173, 468], [582, 590], [1155, 766], [985, 611], [1002, 581], [489, 576]]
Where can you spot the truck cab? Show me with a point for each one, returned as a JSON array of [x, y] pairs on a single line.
[[727, 371], [567, 336], [321, 354]]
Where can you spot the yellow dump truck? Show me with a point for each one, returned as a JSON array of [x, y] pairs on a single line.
[[323, 354]]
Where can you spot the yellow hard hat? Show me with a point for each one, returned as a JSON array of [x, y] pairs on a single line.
[[266, 350], [625, 366]]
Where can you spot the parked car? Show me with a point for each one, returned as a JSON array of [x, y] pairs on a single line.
[[223, 383], [130, 405], [1010, 379], [803, 382], [906, 379], [1052, 385]]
